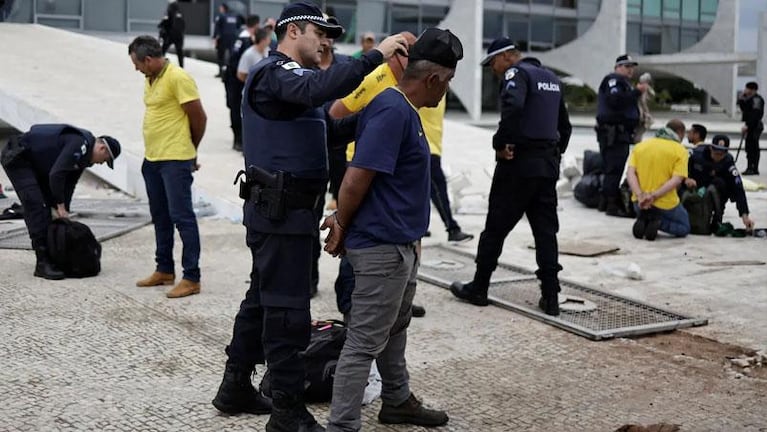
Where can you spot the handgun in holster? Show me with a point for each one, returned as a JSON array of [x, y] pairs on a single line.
[[267, 191]]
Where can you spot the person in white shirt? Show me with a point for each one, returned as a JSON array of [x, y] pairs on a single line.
[[254, 54]]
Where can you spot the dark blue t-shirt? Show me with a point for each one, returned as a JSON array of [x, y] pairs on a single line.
[[390, 141]]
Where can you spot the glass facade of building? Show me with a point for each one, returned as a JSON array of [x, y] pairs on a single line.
[[654, 26]]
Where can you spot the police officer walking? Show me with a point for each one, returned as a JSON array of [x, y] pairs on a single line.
[[617, 116], [532, 135], [225, 31], [285, 152], [752, 106], [44, 166]]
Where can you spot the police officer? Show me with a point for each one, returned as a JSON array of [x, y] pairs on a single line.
[[752, 106], [617, 116], [713, 168], [225, 31], [284, 132], [232, 84], [44, 165], [172, 29], [532, 135]]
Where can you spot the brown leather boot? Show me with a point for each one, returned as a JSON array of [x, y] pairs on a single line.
[[184, 288], [157, 278]]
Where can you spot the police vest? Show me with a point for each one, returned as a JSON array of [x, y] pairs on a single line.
[[230, 26], [44, 138], [540, 118], [295, 145], [628, 114]]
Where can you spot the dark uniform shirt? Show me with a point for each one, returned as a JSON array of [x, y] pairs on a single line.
[[753, 110], [534, 124], [617, 101], [703, 169]]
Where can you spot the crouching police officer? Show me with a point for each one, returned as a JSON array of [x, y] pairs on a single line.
[[44, 166], [713, 168], [617, 116], [532, 135], [285, 153]]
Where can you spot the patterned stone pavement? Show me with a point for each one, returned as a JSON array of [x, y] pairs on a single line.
[[99, 354]]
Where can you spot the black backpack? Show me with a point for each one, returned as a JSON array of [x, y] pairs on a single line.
[[320, 360], [73, 248], [587, 189]]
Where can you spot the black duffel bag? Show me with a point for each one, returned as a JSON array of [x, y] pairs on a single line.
[[73, 248]]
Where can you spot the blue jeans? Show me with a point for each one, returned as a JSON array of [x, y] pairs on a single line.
[[673, 221], [169, 188]]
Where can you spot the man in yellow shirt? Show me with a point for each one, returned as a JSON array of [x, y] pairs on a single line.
[[174, 123], [388, 75], [657, 166]]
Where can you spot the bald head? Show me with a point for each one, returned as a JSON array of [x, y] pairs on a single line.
[[677, 126]]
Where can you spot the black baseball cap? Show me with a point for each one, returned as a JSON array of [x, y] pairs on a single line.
[[496, 47], [303, 11], [113, 147], [439, 46], [624, 60], [721, 143]]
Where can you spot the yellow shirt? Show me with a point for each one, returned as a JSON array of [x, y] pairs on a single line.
[[656, 160], [166, 126], [381, 79]]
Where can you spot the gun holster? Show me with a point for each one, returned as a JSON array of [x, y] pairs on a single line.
[[267, 191]]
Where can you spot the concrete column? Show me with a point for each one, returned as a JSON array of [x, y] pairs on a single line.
[[761, 52], [705, 104], [466, 21]]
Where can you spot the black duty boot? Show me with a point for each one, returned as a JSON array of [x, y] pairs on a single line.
[[549, 304], [615, 207], [458, 236], [44, 268], [469, 293], [412, 412], [237, 395], [285, 410], [306, 421], [418, 311]]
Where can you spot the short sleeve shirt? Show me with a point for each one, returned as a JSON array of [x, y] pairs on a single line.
[[381, 79], [249, 58], [391, 142], [656, 160], [166, 126]]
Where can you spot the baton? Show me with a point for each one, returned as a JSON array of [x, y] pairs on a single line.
[[742, 136]]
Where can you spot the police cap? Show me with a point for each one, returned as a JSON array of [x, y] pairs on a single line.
[[303, 11], [438, 46], [625, 60], [496, 47], [113, 147], [721, 143]]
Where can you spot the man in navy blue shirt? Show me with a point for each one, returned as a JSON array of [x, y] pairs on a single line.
[[44, 165], [383, 211]]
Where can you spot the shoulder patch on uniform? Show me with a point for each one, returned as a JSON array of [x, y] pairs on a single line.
[[757, 103], [612, 82], [510, 74], [83, 149], [734, 171], [291, 65]]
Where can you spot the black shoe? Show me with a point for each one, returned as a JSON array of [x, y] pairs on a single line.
[[237, 146], [306, 421], [615, 208], [44, 268], [237, 395], [286, 414], [412, 412], [418, 311], [652, 225], [458, 236], [640, 226], [549, 306], [750, 172], [467, 292], [427, 234]]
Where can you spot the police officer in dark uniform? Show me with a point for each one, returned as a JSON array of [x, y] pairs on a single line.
[[532, 135], [285, 152], [617, 116], [225, 31], [172, 28], [44, 166], [752, 106], [232, 83], [712, 167]]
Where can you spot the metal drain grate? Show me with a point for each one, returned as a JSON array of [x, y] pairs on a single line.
[[103, 229], [518, 290]]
